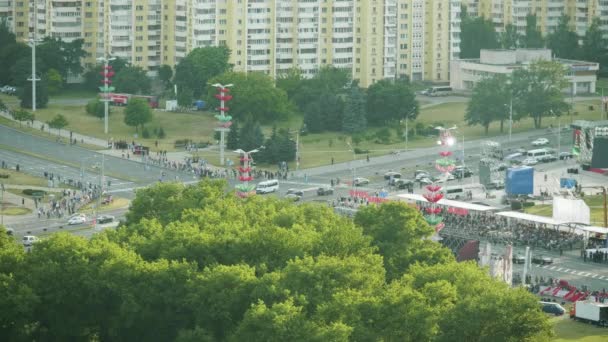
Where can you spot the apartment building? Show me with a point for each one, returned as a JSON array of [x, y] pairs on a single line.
[[374, 39], [504, 12]]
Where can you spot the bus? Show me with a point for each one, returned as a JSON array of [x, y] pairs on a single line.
[[267, 187], [117, 99], [438, 91], [541, 152]]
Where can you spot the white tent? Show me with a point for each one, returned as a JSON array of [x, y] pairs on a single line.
[[446, 202], [531, 218]]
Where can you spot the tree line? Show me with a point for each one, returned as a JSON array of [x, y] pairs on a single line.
[[193, 263]]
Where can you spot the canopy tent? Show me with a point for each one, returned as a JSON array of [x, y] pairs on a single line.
[[446, 202], [593, 229], [531, 218]]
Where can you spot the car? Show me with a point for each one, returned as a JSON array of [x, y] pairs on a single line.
[[107, 200], [530, 161], [462, 172], [359, 181], [391, 175], [552, 308], [325, 190], [293, 193], [10, 231], [496, 184], [403, 183], [425, 181], [518, 259], [547, 158], [8, 90], [29, 240], [565, 155], [419, 176], [502, 166], [540, 142], [293, 197], [102, 219], [542, 260], [79, 219]]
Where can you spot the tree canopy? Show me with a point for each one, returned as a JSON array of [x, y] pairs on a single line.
[[533, 38], [490, 102], [390, 101], [58, 122], [476, 33], [563, 42], [137, 113], [193, 263], [132, 80]]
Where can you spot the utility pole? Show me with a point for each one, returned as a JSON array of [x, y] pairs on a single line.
[[33, 42], [297, 150], [2, 204], [101, 177], [510, 118], [106, 88]]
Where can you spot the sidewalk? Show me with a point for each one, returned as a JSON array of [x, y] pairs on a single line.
[[16, 201]]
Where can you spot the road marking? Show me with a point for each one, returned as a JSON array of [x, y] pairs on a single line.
[[573, 272], [601, 278], [552, 267], [567, 270], [559, 269], [594, 276]]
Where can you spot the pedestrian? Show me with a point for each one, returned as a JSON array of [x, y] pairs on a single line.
[[367, 157], [23, 201], [332, 160], [561, 252]]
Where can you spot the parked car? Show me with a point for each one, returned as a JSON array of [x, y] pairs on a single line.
[[425, 181], [29, 240], [540, 142], [565, 155], [392, 174], [518, 259], [293, 197], [294, 194], [542, 260], [10, 231], [325, 190], [359, 181], [547, 158], [79, 219], [496, 184], [9, 90], [530, 161], [552, 308], [403, 183], [102, 219], [462, 172]]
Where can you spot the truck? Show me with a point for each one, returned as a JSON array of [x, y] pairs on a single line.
[[590, 312], [117, 99]]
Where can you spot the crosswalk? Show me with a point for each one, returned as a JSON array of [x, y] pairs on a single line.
[[574, 272]]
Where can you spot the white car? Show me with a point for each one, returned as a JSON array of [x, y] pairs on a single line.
[[530, 161], [79, 219], [29, 240], [540, 142], [361, 181]]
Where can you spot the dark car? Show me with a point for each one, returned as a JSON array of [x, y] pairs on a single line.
[[392, 175], [325, 190], [403, 183], [542, 260], [547, 158], [518, 259], [105, 219], [565, 155], [552, 308], [462, 172]]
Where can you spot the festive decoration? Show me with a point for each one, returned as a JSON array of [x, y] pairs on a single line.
[[245, 174], [107, 73], [225, 121]]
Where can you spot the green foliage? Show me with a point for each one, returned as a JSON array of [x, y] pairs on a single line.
[[10, 52], [510, 38], [250, 135], [54, 82], [22, 115], [291, 82], [161, 133], [390, 101], [137, 113], [383, 136], [476, 33], [165, 73], [145, 133], [253, 93], [132, 80], [354, 119], [594, 45], [42, 96], [278, 147], [96, 108], [194, 71], [58, 122], [232, 140], [533, 37], [563, 42], [489, 102], [537, 91], [197, 264], [93, 78]]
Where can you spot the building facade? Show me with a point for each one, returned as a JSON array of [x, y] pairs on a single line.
[[374, 39], [465, 73], [504, 12]]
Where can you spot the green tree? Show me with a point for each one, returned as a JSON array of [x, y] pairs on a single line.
[[488, 102], [10, 52], [96, 108], [250, 135], [354, 119], [537, 90], [279, 147], [132, 80], [510, 38], [313, 120], [232, 140], [165, 73], [42, 96], [291, 81], [533, 38], [58, 122], [137, 113], [196, 70], [22, 115], [563, 42], [252, 93], [594, 45], [476, 33], [93, 78], [389, 102], [54, 82]]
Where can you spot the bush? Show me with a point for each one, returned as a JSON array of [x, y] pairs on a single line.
[[360, 151], [31, 192], [4, 175], [383, 136], [145, 133], [528, 204], [161, 133], [181, 143]]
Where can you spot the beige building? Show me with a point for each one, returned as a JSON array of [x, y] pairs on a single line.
[[374, 39]]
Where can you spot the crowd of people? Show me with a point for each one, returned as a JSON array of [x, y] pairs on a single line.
[[598, 255]]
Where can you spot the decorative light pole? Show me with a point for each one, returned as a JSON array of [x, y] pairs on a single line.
[[245, 175], [33, 42], [224, 120], [106, 89]]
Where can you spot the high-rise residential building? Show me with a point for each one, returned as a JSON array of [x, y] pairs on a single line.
[[504, 12], [374, 39]]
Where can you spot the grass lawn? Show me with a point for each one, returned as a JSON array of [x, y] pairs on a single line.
[[567, 330], [19, 178], [45, 199], [14, 211], [594, 202], [117, 203]]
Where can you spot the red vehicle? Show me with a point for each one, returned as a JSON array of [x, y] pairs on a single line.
[[123, 99]]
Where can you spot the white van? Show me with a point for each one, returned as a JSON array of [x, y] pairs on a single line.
[[459, 192], [438, 91], [267, 187], [541, 152]]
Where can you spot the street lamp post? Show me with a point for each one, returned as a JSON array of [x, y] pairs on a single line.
[[2, 204], [353, 165], [605, 194], [106, 89], [223, 89], [33, 79]]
